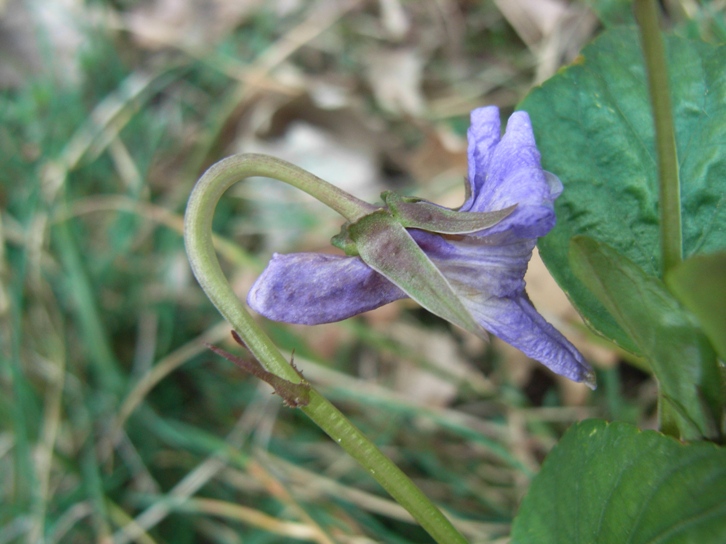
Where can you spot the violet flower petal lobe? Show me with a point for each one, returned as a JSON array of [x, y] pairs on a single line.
[[516, 321], [487, 274], [483, 136], [512, 174], [315, 288]]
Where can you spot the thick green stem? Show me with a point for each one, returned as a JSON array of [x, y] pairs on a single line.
[[206, 268], [646, 13]]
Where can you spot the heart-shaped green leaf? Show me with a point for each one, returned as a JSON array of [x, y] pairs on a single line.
[[594, 127], [679, 353], [612, 483], [613, 12]]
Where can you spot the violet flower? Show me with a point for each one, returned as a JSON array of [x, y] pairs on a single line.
[[485, 269]]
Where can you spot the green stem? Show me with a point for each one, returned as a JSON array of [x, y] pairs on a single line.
[[646, 13], [206, 268]]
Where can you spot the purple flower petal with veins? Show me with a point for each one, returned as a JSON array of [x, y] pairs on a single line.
[[485, 269], [315, 288]]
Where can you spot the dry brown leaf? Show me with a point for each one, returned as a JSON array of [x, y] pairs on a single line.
[[394, 19], [553, 30], [440, 153], [195, 23], [395, 77], [533, 20], [22, 56]]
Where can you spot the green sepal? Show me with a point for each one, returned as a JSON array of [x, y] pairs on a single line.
[[668, 336], [385, 245], [415, 213], [343, 241]]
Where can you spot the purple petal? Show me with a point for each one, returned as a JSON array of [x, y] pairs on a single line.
[[314, 288], [483, 136], [515, 321], [489, 266], [509, 173], [486, 272]]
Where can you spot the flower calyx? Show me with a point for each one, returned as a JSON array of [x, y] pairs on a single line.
[[383, 244], [416, 213]]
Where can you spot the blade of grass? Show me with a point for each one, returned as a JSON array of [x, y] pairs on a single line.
[[52, 337], [278, 489], [162, 369], [248, 516], [95, 337], [316, 486], [232, 252], [24, 492], [197, 477], [93, 485]]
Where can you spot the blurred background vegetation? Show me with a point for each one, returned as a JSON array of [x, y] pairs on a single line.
[[116, 424]]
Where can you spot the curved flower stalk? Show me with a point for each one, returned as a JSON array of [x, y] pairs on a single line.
[[273, 367], [473, 278]]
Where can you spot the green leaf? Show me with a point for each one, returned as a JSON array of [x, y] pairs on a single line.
[[594, 127], [613, 12], [679, 353], [608, 483], [700, 284]]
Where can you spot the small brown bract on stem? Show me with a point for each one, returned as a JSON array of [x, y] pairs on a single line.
[[293, 395]]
